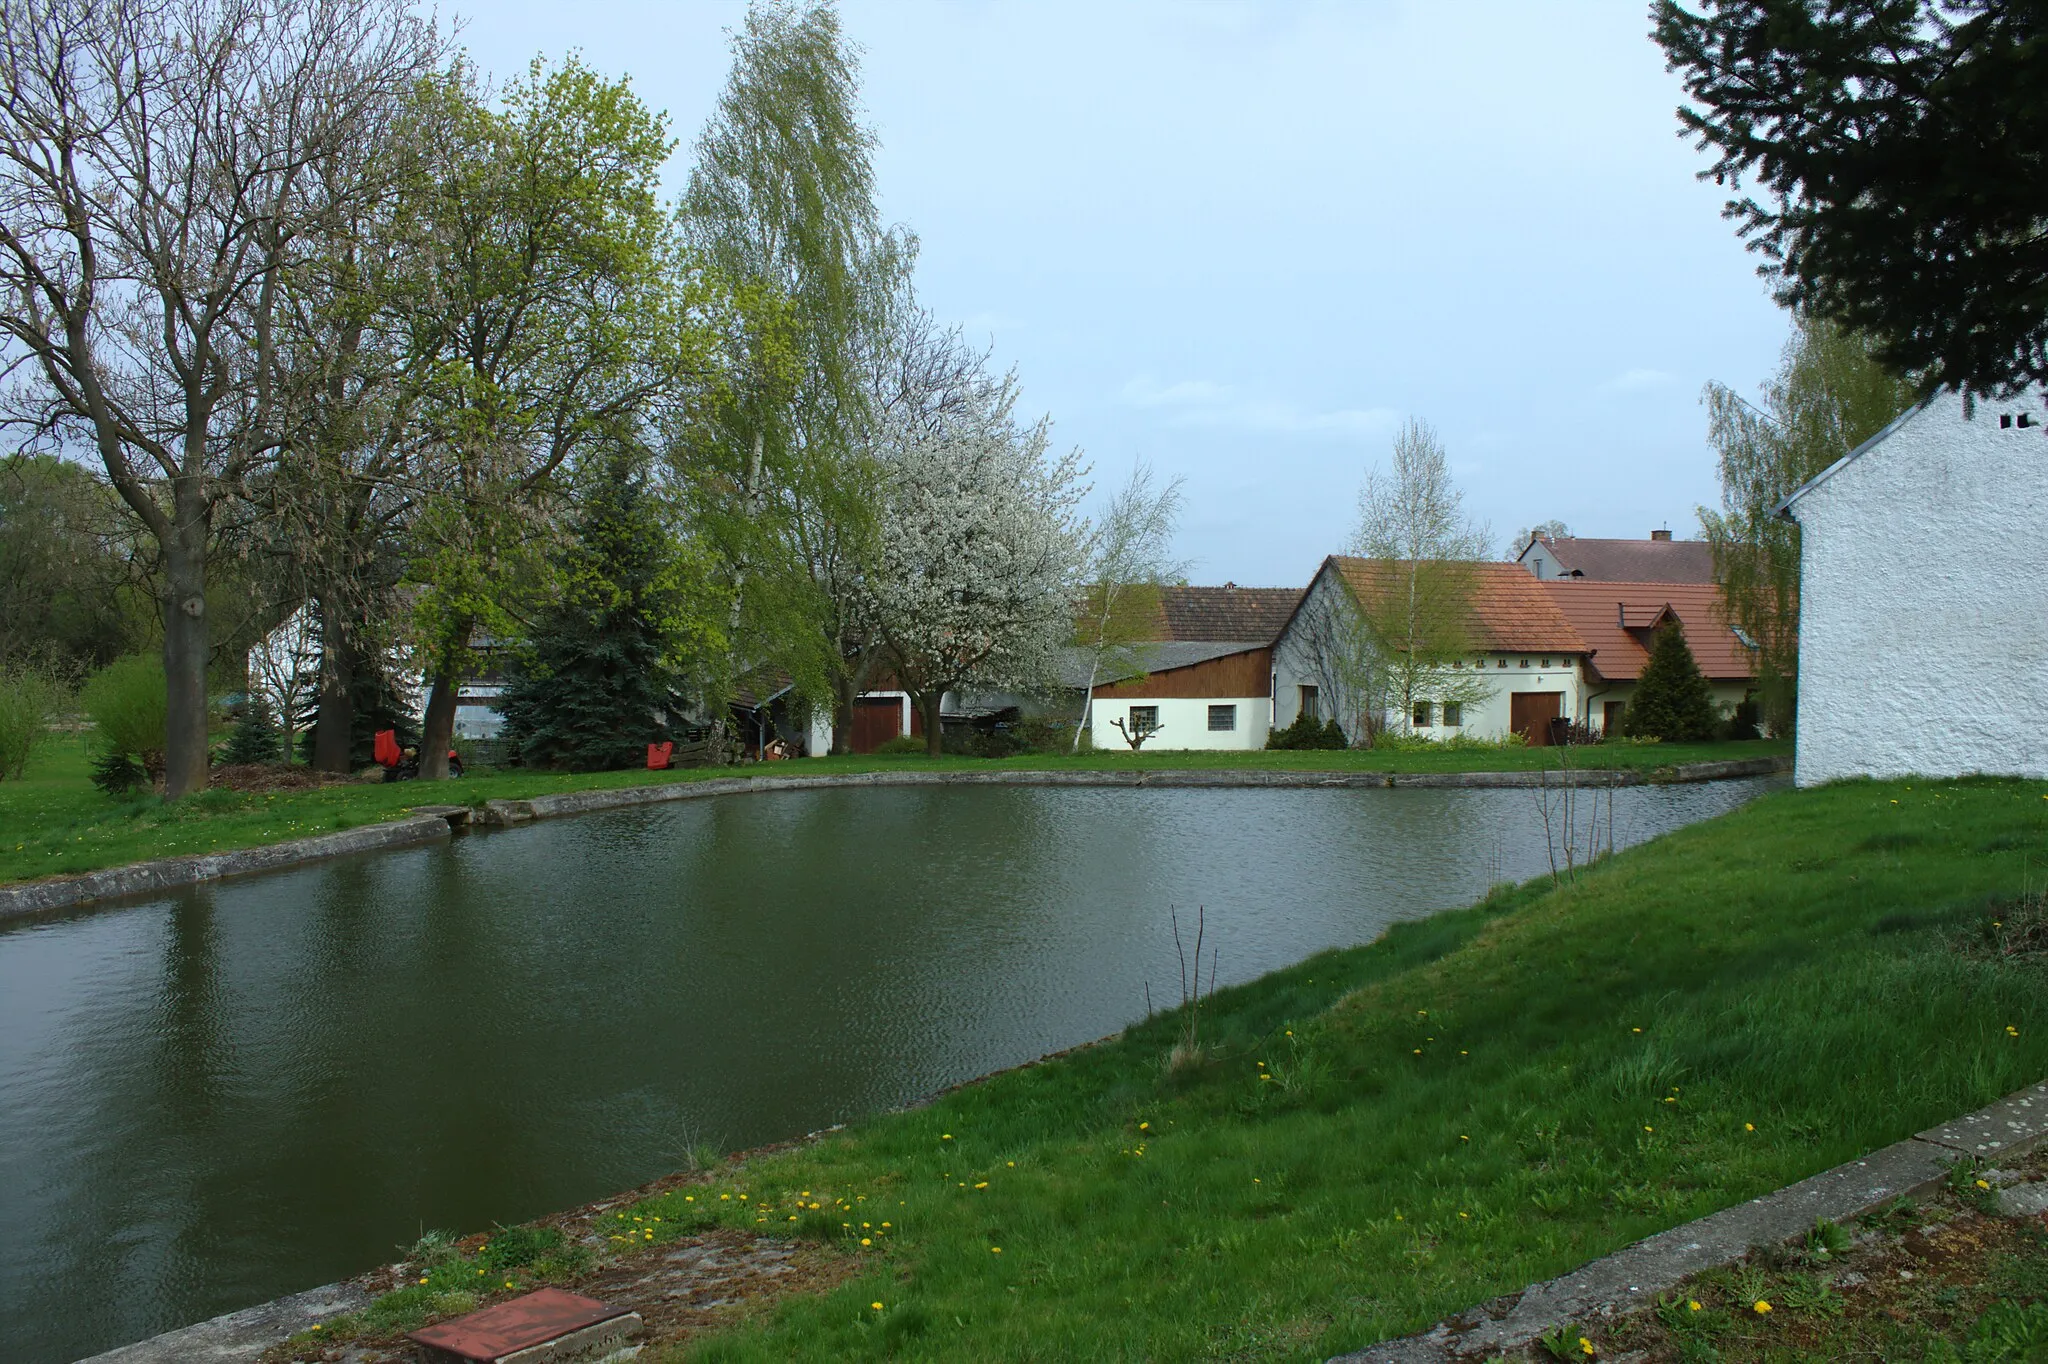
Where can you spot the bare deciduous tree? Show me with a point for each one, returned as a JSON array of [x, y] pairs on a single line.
[[155, 188], [1127, 565]]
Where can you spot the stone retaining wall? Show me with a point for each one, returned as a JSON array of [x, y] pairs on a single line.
[[433, 822]]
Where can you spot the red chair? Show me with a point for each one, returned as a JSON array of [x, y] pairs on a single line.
[[385, 749], [658, 755]]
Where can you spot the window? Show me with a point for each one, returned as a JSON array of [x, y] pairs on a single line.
[[1500, 663], [1222, 718], [1311, 703], [1525, 662], [1454, 715], [1422, 714], [1144, 719], [1546, 662]]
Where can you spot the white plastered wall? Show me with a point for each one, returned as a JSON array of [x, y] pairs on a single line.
[[1923, 644], [1184, 722]]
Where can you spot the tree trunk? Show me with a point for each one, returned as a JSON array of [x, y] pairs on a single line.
[[846, 691], [186, 647], [439, 730], [336, 718], [934, 730]]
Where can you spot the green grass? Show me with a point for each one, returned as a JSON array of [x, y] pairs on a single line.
[[1384, 1136], [55, 822]]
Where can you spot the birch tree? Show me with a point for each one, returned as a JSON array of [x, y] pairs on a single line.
[[1829, 395], [980, 552], [780, 209], [1415, 595], [155, 164], [1128, 562]]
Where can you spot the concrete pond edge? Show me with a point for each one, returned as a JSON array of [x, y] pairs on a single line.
[[1631, 1279], [428, 823]]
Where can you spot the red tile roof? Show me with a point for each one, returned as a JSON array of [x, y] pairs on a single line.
[[1510, 609], [1635, 561], [1616, 620]]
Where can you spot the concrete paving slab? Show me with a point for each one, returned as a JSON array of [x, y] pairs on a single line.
[[2010, 1124], [240, 1337]]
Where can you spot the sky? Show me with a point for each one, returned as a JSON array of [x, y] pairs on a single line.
[[1245, 241]]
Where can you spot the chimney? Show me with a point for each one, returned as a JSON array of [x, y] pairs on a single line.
[[1660, 535]]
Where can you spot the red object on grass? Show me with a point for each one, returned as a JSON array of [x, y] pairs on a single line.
[[657, 755], [386, 750], [535, 1318]]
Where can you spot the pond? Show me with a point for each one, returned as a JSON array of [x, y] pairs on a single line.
[[239, 1091]]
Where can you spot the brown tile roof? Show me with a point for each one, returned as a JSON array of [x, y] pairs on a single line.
[[1226, 614], [1616, 620], [1510, 609], [1635, 561]]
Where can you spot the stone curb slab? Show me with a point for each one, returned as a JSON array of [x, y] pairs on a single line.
[[151, 878], [1632, 1278], [241, 1336], [2017, 1121]]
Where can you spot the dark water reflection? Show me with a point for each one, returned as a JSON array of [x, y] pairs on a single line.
[[241, 1091]]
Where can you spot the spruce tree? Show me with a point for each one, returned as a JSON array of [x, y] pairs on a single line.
[[595, 684], [1672, 700], [256, 738]]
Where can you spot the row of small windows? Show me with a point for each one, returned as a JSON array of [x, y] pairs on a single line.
[[1145, 719], [1498, 663]]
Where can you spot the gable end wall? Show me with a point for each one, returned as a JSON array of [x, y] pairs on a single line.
[[1924, 602]]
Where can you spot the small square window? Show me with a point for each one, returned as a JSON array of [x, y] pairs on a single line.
[[1525, 662], [1500, 663], [1454, 715], [1423, 709], [1144, 719], [1546, 662], [1222, 718]]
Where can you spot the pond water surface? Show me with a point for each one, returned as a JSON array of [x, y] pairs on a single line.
[[243, 1090]]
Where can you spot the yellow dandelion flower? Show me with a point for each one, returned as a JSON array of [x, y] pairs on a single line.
[[995, 1250], [867, 1241], [1762, 1307], [1692, 1305], [877, 1306]]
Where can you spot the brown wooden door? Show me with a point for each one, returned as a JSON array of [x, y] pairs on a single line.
[[1530, 714], [876, 720], [1610, 718]]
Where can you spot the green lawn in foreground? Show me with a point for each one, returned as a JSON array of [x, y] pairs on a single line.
[[54, 822], [1479, 1101]]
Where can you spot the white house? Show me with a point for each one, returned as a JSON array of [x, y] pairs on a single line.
[[1923, 597], [1526, 665]]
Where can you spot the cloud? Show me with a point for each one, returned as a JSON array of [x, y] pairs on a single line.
[[1637, 381], [1200, 403]]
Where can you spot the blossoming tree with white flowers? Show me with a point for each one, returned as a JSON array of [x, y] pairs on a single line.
[[981, 550]]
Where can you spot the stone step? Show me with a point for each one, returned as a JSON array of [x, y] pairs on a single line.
[[546, 1326]]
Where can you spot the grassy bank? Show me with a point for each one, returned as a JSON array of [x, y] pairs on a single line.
[[56, 823], [1383, 1136]]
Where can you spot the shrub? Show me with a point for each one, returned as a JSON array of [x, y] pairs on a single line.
[[256, 738], [128, 705], [902, 746], [1306, 732], [29, 698]]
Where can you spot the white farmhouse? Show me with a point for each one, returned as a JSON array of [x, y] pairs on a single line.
[[1923, 598]]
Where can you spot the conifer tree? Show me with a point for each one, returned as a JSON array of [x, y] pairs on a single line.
[[255, 738], [603, 669], [1672, 700]]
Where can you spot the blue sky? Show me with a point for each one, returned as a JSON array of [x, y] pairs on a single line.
[[1243, 241]]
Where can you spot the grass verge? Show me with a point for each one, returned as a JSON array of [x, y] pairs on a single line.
[[55, 823], [1383, 1136]]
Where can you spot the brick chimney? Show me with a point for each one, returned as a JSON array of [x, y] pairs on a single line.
[[1660, 535]]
